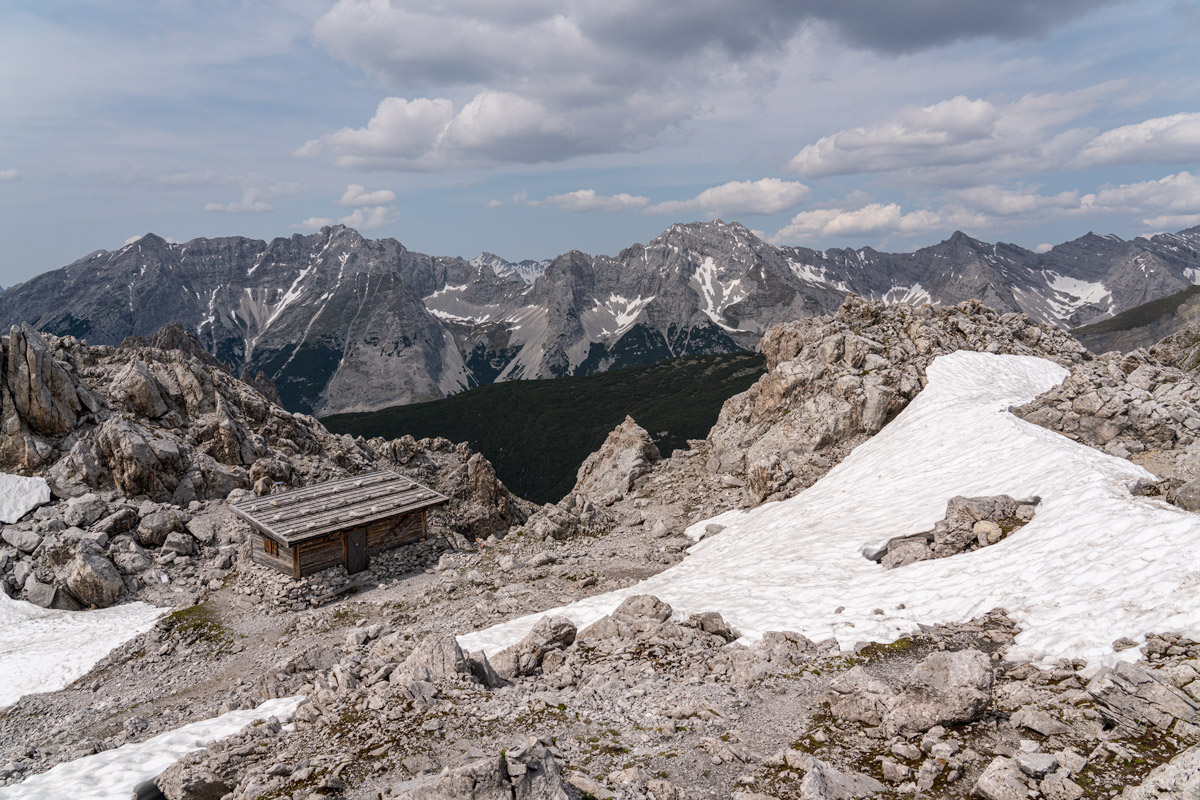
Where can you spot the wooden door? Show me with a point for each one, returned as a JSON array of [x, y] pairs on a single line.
[[356, 550]]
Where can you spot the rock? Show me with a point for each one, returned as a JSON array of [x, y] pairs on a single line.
[[1037, 720], [714, 623], [43, 393], [185, 780], [120, 521], [1187, 496], [609, 474], [1129, 696], [1178, 779], [23, 540], [1036, 765], [82, 511], [525, 657], [987, 532], [909, 551], [527, 772], [94, 581], [437, 657], [643, 606], [945, 688], [857, 696], [1059, 786], [154, 528], [823, 781], [1002, 779], [179, 543]]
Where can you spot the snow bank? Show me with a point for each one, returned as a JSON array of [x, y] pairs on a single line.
[[42, 650], [115, 773], [1095, 563], [19, 496]]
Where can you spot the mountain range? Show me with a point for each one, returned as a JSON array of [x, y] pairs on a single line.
[[344, 323]]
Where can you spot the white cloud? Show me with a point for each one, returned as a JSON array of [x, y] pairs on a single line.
[[588, 200], [535, 81], [313, 223], [1169, 140], [876, 218], [765, 196], [357, 195], [1044, 247], [1169, 202], [1001, 202], [495, 203], [10, 174], [369, 217], [995, 137], [256, 195]]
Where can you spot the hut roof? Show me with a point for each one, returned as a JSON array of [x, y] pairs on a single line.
[[301, 514]]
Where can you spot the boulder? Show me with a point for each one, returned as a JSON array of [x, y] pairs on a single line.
[[1128, 696], [154, 528], [858, 696], [44, 394], [82, 511], [944, 689], [1002, 779], [23, 540], [437, 657], [643, 606], [609, 474], [94, 581], [525, 657], [179, 543]]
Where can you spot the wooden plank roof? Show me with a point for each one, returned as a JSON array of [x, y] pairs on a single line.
[[301, 514]]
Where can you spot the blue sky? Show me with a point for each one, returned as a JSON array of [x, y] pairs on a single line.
[[529, 128]]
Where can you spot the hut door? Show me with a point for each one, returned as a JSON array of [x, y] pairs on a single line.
[[356, 550]]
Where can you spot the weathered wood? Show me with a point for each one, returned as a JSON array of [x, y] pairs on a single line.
[[313, 512], [284, 561], [319, 554]]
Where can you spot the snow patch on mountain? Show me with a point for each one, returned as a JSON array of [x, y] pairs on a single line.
[[1095, 563], [612, 316], [716, 295], [43, 650], [116, 773], [527, 271]]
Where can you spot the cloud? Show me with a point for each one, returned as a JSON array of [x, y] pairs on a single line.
[[357, 195], [256, 194], [313, 223], [765, 196], [875, 218], [10, 174], [369, 217], [1169, 202], [495, 203], [957, 132], [1044, 247], [1164, 140], [1001, 202], [589, 200], [534, 81]]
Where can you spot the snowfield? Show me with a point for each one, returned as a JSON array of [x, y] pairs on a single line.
[[116, 773], [43, 650], [20, 495], [1095, 563]]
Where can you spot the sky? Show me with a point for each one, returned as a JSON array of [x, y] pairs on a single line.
[[529, 128]]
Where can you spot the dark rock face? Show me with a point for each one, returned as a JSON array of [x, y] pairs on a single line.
[[341, 323]]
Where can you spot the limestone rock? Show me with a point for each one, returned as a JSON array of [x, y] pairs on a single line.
[[525, 657], [945, 688], [610, 473], [94, 581], [1002, 779]]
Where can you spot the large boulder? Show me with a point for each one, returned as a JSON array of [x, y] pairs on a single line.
[[94, 581], [44, 395], [437, 657], [156, 526], [944, 689], [525, 657], [609, 474]]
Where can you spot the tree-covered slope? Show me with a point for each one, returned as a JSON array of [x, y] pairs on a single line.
[[537, 433]]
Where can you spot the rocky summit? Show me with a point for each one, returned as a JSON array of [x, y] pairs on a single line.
[[342, 323], [374, 693]]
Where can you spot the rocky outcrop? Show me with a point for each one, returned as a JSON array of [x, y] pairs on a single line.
[[526, 772], [835, 381], [611, 472], [943, 689], [970, 523]]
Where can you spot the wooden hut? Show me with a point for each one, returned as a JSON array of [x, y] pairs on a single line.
[[302, 531]]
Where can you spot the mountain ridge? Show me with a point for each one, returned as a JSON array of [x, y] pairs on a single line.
[[342, 323]]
